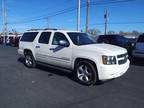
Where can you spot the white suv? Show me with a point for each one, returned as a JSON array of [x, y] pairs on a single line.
[[74, 51]]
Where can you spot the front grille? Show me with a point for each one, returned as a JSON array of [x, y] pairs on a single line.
[[122, 59]]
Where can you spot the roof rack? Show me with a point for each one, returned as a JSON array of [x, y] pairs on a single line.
[[42, 29], [50, 29]]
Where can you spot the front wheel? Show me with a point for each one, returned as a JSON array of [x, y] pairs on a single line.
[[86, 73], [29, 60]]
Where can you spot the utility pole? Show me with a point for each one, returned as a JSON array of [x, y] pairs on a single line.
[[87, 15], [47, 20], [78, 16], [105, 17], [4, 14]]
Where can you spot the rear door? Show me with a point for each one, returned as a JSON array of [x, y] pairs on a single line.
[[42, 47]]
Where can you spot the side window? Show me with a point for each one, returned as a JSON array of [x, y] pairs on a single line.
[[29, 36], [44, 37], [113, 39], [57, 37], [141, 38]]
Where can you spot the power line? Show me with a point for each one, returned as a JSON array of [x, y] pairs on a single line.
[[111, 2], [70, 10], [119, 23]]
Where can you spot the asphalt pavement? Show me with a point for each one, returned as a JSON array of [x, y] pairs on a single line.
[[45, 87]]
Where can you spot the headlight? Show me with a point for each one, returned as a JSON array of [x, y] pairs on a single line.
[[109, 60]]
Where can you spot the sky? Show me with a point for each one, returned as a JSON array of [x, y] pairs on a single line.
[[123, 15]]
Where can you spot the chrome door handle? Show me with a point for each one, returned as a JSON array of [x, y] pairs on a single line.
[[37, 46]]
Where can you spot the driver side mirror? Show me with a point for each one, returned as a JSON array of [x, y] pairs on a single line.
[[64, 43]]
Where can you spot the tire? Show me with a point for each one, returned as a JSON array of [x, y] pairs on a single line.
[[29, 60], [86, 73]]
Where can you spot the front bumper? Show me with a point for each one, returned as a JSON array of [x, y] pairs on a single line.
[[106, 72]]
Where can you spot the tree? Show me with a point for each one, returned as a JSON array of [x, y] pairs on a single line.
[[121, 32], [94, 31], [135, 33], [111, 32]]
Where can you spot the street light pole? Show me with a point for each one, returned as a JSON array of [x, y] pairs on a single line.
[[47, 20], [105, 17], [4, 14]]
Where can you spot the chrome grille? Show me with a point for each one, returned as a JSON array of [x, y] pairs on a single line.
[[122, 59]]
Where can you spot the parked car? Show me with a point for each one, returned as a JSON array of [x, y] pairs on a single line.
[[118, 40], [1, 40], [75, 51], [139, 47], [14, 41]]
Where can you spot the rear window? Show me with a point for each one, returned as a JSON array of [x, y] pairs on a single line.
[[141, 38], [29, 36]]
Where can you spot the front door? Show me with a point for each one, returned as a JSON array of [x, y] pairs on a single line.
[[60, 55]]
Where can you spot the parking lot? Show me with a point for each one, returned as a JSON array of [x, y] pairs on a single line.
[[45, 87]]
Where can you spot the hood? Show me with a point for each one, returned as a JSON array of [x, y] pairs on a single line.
[[104, 49]]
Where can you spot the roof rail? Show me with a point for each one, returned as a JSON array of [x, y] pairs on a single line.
[[50, 29], [42, 29], [33, 29]]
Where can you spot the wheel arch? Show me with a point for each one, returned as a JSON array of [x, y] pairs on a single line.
[[84, 59], [29, 50]]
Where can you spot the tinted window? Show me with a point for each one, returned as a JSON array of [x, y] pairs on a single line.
[[81, 38], [141, 38], [57, 37], [29, 36], [44, 37], [103, 38]]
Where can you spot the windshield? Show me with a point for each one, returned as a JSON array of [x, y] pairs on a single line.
[[81, 38], [121, 37]]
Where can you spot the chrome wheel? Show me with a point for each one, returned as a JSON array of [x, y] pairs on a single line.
[[28, 61], [84, 73]]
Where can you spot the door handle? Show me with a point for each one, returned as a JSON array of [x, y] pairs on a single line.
[[37, 46], [52, 49]]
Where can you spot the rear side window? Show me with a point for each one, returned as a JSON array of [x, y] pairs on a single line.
[[141, 38], [29, 36], [44, 37], [103, 38]]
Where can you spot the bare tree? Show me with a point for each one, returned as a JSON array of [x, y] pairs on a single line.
[[94, 31], [111, 32]]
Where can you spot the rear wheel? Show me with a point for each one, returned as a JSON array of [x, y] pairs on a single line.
[[86, 73], [29, 60]]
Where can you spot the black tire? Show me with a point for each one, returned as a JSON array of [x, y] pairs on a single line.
[[29, 60], [86, 73]]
